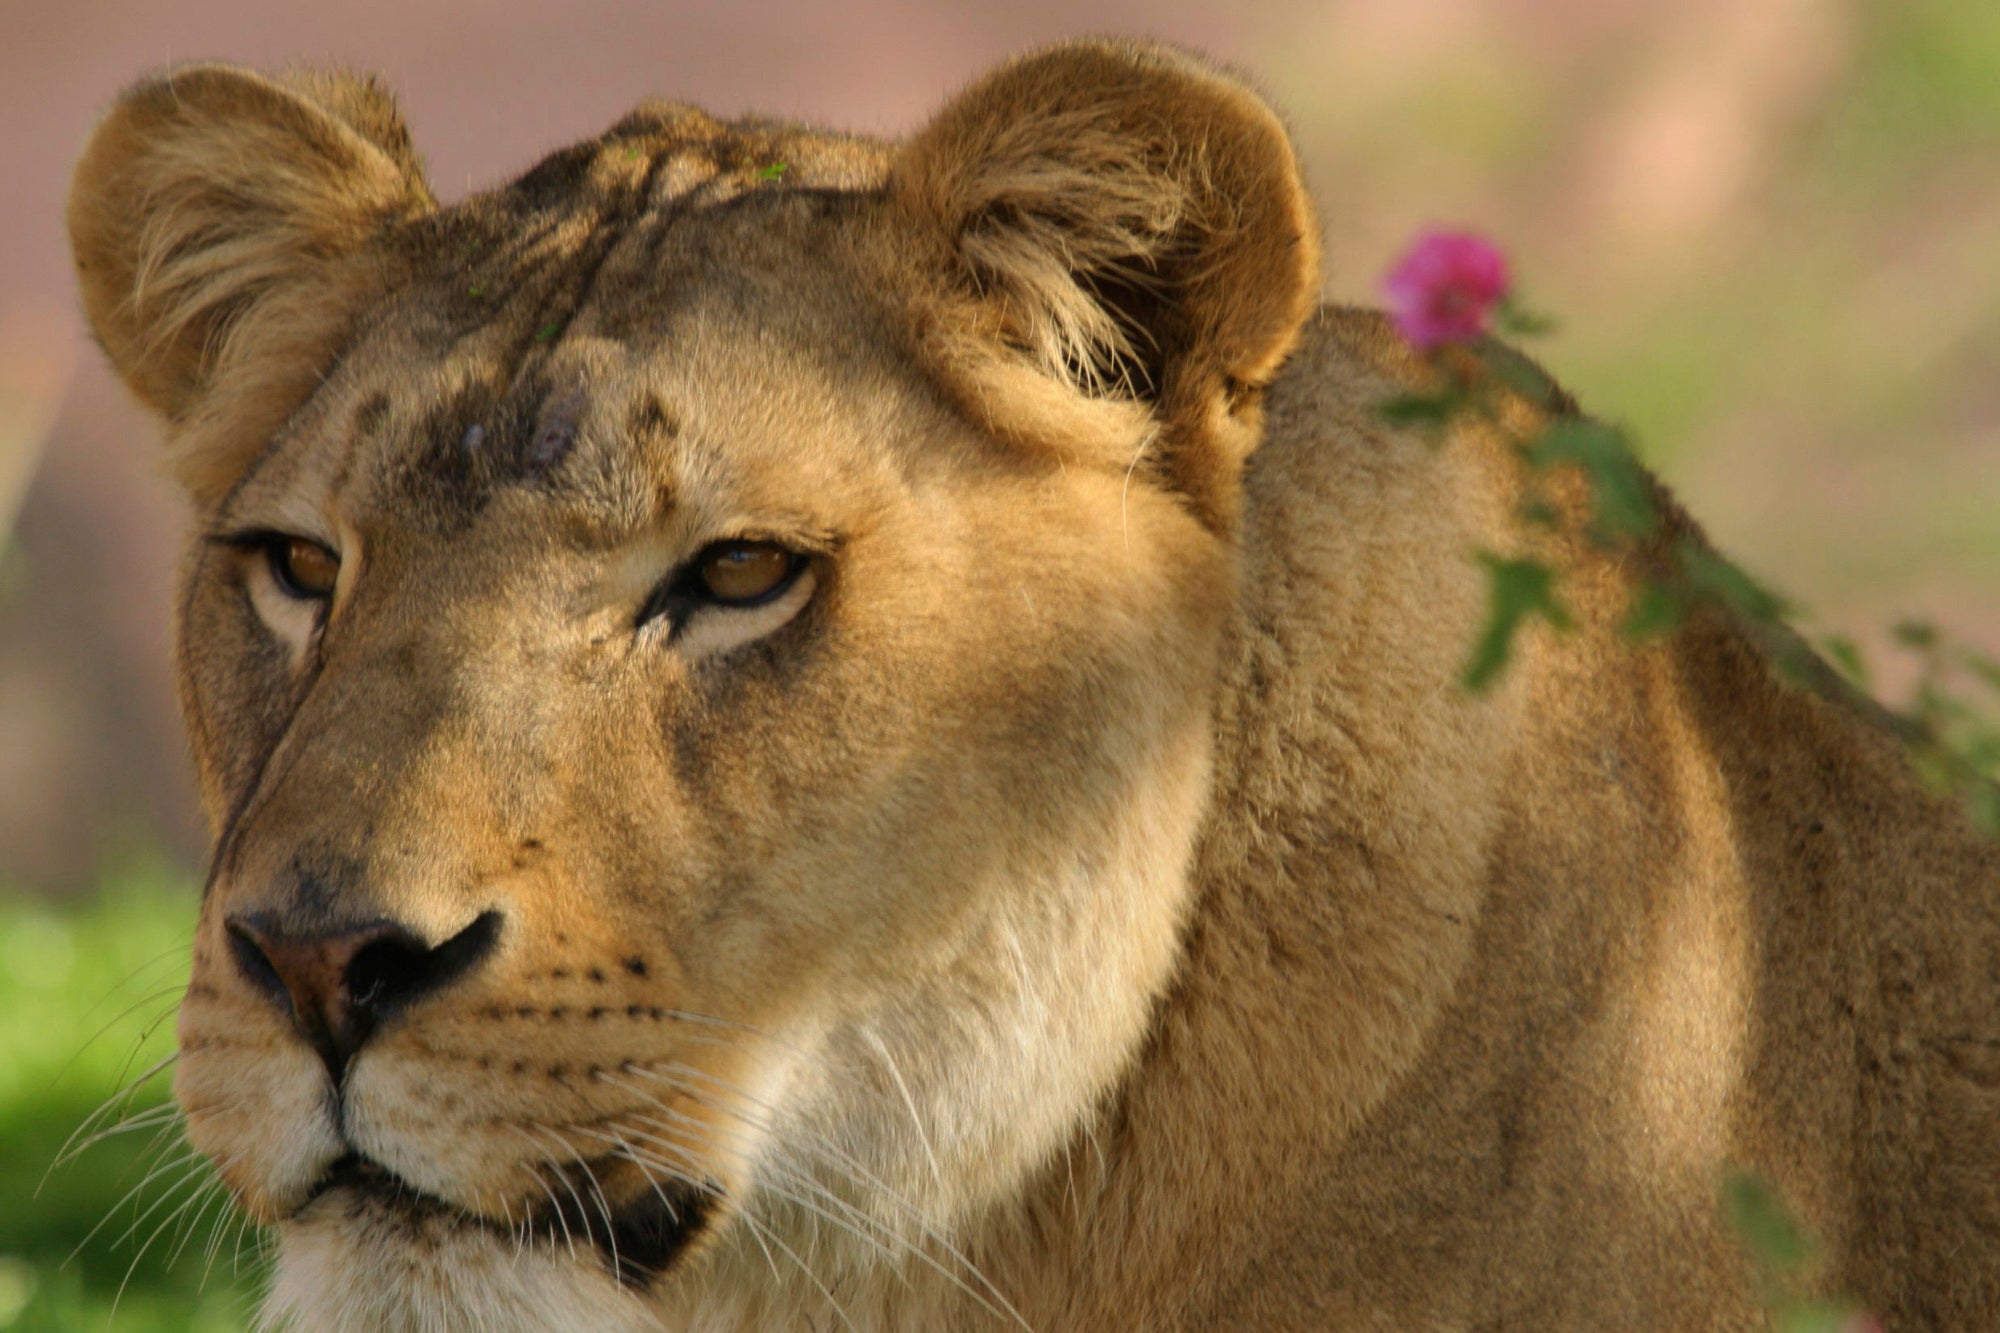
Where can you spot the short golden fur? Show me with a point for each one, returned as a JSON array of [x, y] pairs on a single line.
[[1084, 899]]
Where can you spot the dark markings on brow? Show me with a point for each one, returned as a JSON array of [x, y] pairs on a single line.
[[651, 422], [555, 431], [558, 181], [368, 418], [455, 462], [514, 426], [617, 206]]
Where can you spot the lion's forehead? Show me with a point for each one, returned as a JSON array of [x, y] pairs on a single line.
[[618, 331]]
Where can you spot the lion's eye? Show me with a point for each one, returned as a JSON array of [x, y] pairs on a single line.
[[301, 568], [732, 576], [745, 573]]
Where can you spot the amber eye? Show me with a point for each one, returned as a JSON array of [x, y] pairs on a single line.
[[745, 573], [302, 569]]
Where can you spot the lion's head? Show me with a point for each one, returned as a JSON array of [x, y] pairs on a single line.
[[701, 662]]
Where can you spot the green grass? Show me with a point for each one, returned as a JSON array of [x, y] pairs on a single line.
[[87, 997]]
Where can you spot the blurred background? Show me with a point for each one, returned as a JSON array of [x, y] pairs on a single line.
[[1770, 231]]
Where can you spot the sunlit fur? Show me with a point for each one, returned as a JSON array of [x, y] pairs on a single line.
[[1086, 900]]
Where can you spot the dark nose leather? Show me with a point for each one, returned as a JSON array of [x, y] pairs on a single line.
[[338, 985]]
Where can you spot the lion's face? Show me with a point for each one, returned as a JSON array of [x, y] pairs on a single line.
[[705, 731]]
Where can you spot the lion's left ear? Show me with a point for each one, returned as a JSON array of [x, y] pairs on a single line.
[[1135, 220], [218, 221]]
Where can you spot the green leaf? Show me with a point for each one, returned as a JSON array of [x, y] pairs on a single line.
[[475, 291], [1917, 635], [1512, 317], [1845, 653], [1982, 802], [1539, 513], [1520, 374], [1517, 590], [1982, 751], [1657, 611], [1715, 576], [1796, 662], [773, 171], [547, 333], [1623, 494], [1812, 1317], [1417, 409], [1982, 666], [1764, 1224]]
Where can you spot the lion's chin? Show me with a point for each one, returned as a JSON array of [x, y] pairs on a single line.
[[371, 1252]]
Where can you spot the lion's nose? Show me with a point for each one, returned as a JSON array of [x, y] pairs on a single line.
[[338, 985]]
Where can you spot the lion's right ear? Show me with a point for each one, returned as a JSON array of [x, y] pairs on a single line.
[[1131, 221], [222, 225]]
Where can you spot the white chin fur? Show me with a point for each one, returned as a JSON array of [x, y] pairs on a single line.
[[373, 1274]]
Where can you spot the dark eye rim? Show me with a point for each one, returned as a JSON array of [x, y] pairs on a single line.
[[682, 593], [272, 546]]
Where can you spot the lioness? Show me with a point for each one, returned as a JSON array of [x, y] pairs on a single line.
[[808, 733]]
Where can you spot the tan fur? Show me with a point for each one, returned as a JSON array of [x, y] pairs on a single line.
[[1085, 900]]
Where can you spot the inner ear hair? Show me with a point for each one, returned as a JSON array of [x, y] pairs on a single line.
[[1136, 215]]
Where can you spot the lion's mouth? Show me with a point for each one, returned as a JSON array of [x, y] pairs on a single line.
[[636, 1240]]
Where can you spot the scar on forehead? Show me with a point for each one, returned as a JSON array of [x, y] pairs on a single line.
[[553, 432]]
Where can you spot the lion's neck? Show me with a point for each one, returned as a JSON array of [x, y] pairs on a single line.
[[1338, 874]]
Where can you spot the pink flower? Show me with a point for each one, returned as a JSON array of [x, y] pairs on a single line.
[[1446, 288]]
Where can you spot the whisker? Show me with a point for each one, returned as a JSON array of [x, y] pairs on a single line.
[[225, 1218], [555, 1205], [164, 992], [991, 1299], [208, 1191], [146, 1032], [150, 1118], [909, 1102], [122, 1097], [805, 1204], [603, 1204], [695, 1180], [189, 1164], [192, 1177], [186, 1159], [675, 1076]]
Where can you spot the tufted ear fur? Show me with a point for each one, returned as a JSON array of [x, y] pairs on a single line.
[[221, 224], [1133, 219]]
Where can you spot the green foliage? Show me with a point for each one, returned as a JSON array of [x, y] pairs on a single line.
[[1624, 495], [1954, 712], [1517, 321], [1518, 591], [1781, 1257], [1422, 409], [87, 997], [1845, 654], [1768, 1231], [1952, 720]]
